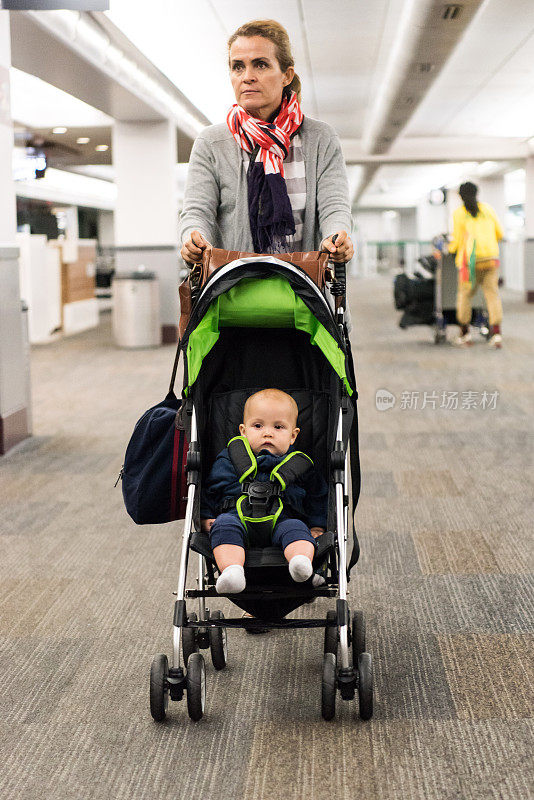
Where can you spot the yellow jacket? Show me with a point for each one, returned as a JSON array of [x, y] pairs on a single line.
[[484, 229]]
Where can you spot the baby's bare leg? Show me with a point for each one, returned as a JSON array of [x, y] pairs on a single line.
[[294, 537], [299, 548], [228, 554]]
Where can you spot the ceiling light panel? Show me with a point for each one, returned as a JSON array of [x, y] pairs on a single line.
[[188, 47], [60, 186], [39, 105]]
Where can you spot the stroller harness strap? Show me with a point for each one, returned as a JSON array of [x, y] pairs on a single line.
[[261, 503]]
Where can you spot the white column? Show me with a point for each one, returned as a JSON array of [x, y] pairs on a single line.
[[72, 230], [430, 220], [14, 394], [491, 190], [8, 212], [146, 214], [529, 230], [106, 230]]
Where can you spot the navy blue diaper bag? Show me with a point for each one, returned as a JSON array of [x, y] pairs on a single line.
[[154, 480]]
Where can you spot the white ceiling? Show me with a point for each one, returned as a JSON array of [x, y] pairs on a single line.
[[342, 51], [488, 84]]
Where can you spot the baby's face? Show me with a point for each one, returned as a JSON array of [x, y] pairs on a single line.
[[269, 425]]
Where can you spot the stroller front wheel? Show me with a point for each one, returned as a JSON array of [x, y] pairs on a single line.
[[195, 683], [331, 634], [159, 688], [218, 643], [358, 636], [328, 693]]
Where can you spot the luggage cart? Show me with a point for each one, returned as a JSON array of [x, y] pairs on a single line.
[[445, 290]]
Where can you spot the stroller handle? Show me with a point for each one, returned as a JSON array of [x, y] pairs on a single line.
[[339, 284]]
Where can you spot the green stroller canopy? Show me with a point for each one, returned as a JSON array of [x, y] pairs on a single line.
[[260, 303]]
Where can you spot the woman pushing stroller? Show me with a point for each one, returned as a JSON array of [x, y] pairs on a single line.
[[268, 431], [270, 165]]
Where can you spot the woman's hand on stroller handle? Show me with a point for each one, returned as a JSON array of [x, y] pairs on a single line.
[[205, 524], [193, 248], [339, 246], [316, 531]]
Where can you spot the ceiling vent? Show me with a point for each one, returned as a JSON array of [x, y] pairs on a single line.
[[452, 11]]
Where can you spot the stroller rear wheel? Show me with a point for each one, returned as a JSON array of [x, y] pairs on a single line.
[[358, 636], [195, 683], [218, 643], [189, 638], [365, 685], [328, 693], [331, 634], [159, 689]]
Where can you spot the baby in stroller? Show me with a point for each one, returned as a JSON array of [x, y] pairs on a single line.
[[260, 491]]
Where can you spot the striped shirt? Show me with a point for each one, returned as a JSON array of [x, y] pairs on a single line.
[[295, 177]]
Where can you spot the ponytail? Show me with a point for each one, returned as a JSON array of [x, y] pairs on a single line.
[[468, 193], [295, 86]]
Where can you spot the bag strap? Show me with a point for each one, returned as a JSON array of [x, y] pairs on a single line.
[[175, 367], [356, 485]]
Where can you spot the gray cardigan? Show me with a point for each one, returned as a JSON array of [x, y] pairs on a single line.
[[216, 195]]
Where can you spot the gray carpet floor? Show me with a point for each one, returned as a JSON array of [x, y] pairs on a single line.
[[445, 579]]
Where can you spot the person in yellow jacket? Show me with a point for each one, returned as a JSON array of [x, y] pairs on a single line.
[[475, 240]]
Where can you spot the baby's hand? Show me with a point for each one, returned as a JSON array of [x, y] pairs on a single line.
[[315, 532], [205, 524]]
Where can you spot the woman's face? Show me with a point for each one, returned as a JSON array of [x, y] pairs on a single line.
[[257, 79]]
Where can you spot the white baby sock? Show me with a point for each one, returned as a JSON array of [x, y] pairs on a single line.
[[231, 580], [317, 581], [300, 568]]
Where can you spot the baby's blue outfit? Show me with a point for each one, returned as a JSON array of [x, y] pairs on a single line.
[[305, 502]]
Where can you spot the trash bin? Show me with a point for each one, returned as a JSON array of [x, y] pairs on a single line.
[[136, 309]]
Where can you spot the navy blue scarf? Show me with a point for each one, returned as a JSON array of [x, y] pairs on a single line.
[[269, 210], [270, 213]]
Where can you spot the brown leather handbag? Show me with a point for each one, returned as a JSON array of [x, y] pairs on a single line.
[[314, 264]]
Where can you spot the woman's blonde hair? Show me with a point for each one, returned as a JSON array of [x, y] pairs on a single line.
[[277, 34]]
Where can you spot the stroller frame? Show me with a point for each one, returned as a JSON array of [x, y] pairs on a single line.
[[192, 632]]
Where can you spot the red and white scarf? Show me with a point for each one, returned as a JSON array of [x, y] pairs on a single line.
[[272, 137]]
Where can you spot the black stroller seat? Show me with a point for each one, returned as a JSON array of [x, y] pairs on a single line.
[[271, 594]]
